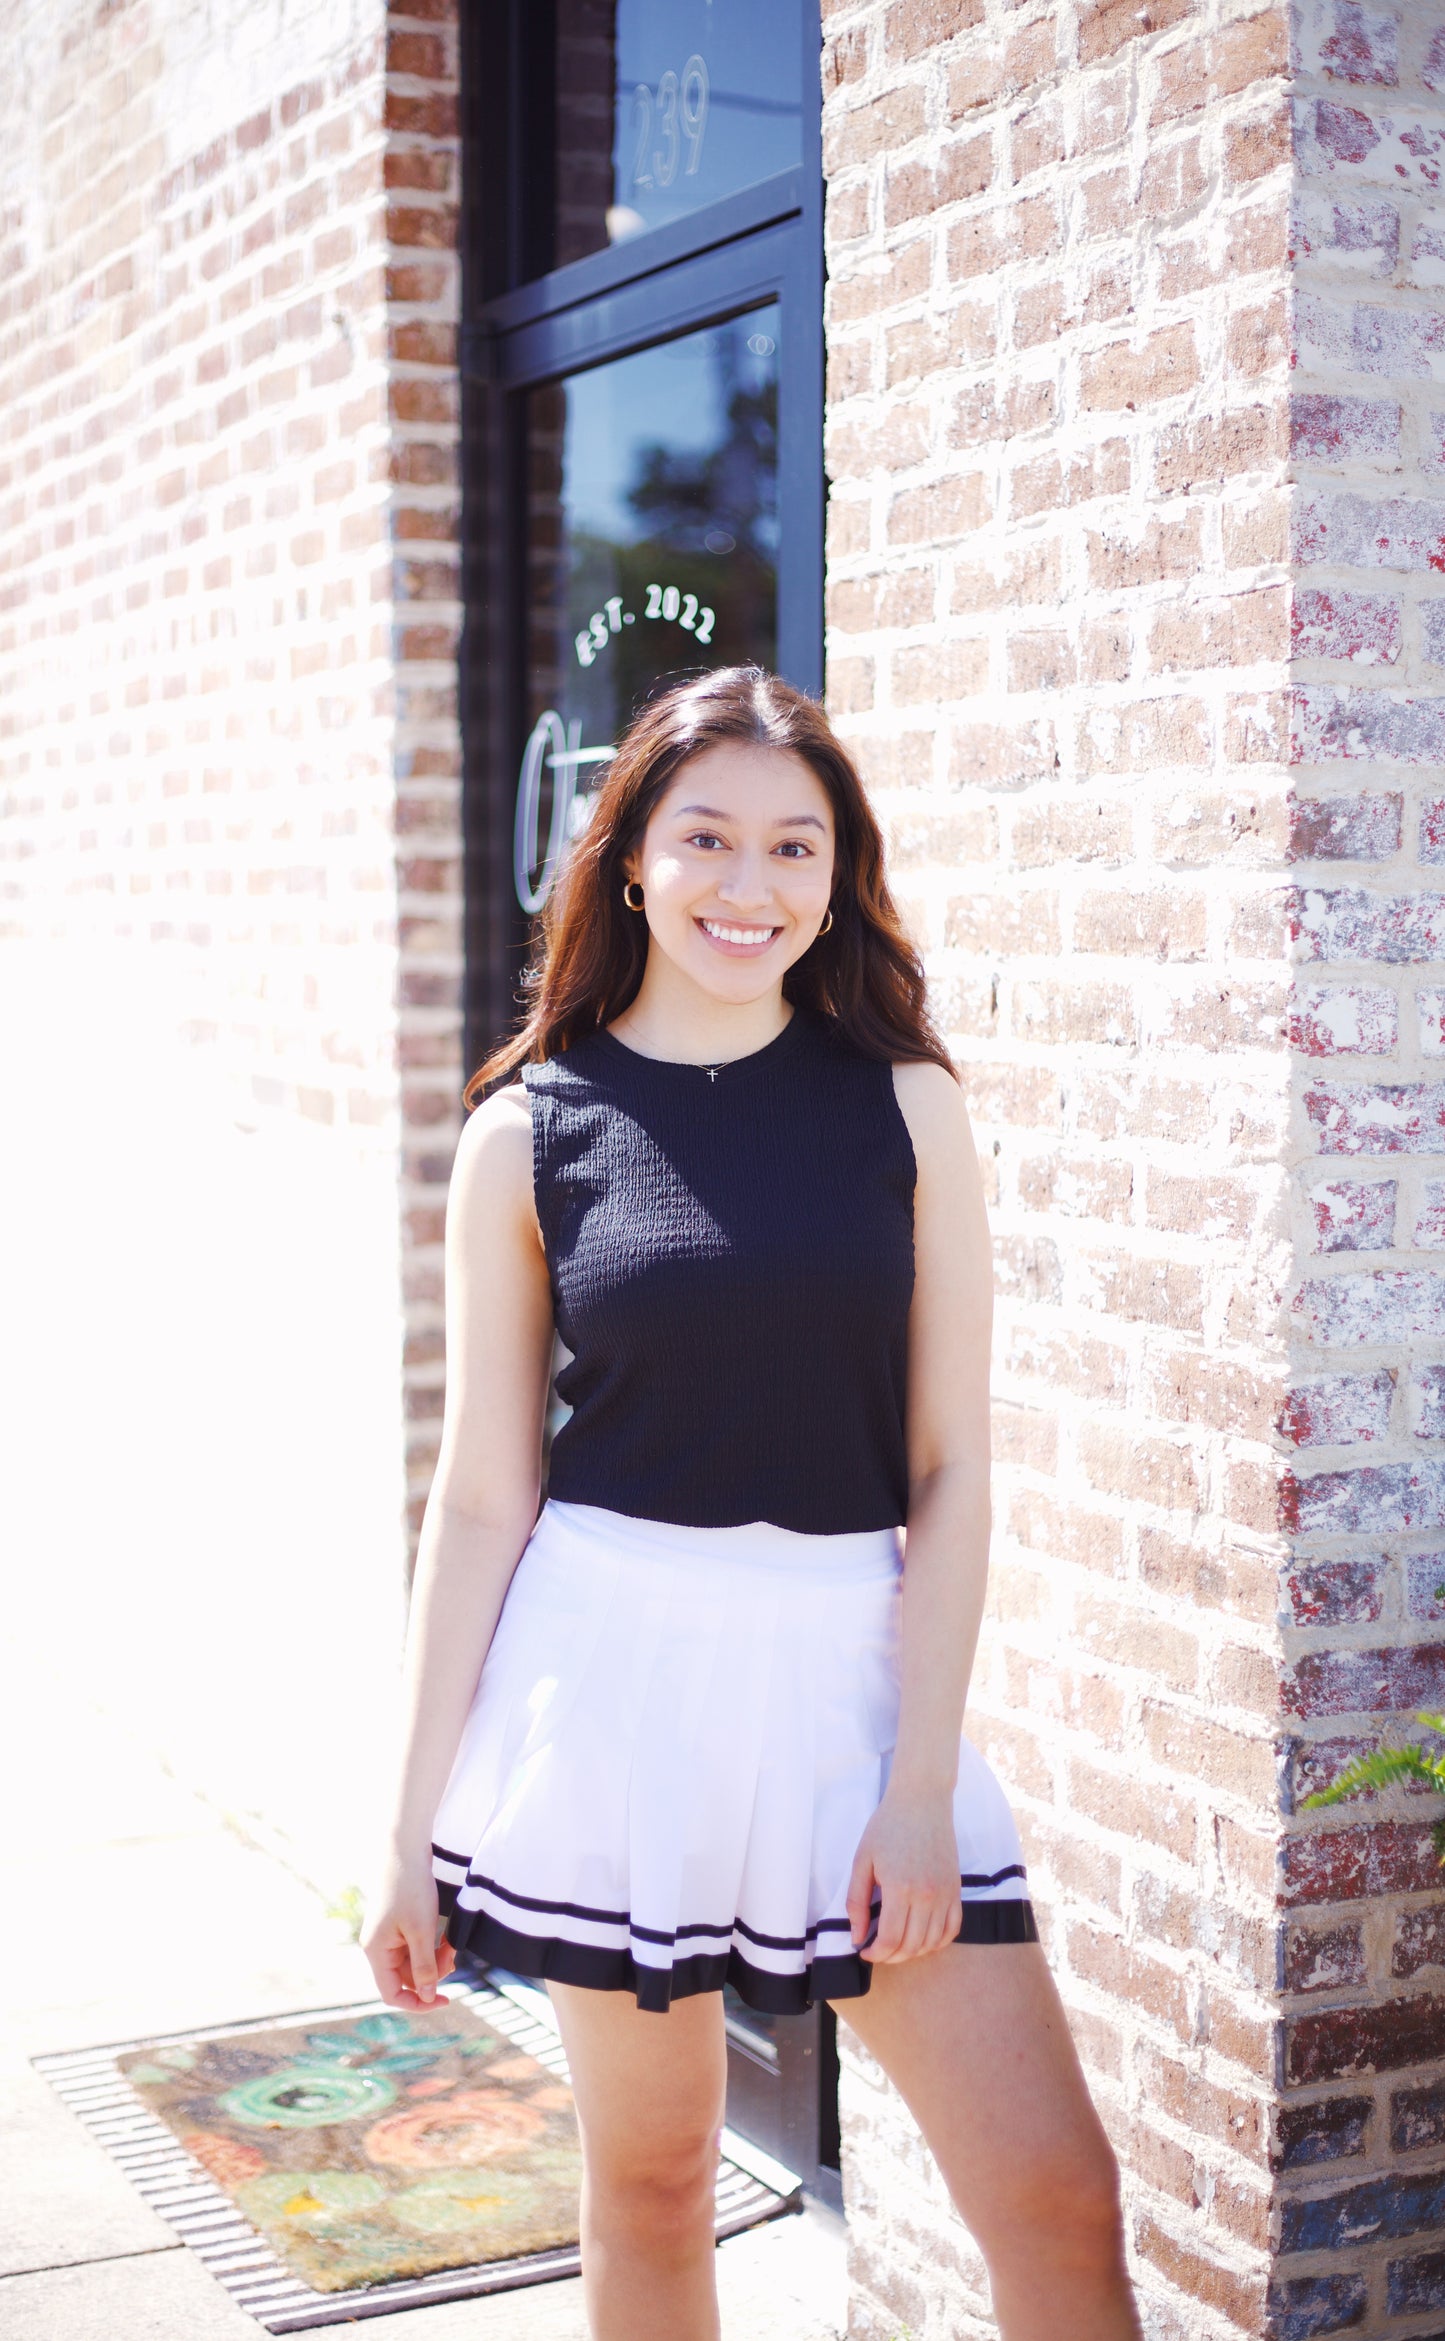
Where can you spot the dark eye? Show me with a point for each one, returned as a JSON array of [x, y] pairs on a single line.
[[705, 837], [796, 848]]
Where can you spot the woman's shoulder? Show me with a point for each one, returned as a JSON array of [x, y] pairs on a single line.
[[931, 1102], [494, 1151]]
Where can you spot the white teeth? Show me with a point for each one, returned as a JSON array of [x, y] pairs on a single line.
[[739, 934]]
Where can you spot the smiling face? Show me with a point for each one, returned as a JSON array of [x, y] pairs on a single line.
[[736, 867]]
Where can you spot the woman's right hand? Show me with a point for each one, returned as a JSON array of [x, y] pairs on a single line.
[[400, 1936]]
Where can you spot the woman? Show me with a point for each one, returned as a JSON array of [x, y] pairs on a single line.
[[698, 1722]]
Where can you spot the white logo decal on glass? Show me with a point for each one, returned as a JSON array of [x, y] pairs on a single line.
[[569, 811], [663, 601]]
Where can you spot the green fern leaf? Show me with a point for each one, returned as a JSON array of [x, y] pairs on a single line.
[[1381, 1768]]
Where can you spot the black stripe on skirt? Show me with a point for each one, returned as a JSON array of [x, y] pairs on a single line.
[[827, 1975]]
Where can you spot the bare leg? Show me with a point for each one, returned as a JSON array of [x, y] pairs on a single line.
[[649, 2092], [975, 2039]]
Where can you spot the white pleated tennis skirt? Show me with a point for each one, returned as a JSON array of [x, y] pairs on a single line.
[[677, 1740]]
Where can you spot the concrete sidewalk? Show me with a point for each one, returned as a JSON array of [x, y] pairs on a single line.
[[141, 1911]]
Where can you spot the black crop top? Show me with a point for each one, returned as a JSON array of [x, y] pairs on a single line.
[[732, 1265]]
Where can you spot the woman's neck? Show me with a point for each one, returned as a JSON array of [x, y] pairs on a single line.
[[674, 1019]]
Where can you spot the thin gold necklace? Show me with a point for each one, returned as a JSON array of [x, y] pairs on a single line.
[[712, 1071]]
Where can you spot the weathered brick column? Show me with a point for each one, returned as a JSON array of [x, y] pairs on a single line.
[[1119, 297], [1362, 2121]]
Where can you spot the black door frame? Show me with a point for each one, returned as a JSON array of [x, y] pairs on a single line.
[[523, 323], [763, 244]]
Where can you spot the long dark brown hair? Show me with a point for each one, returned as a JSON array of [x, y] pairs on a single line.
[[864, 974]]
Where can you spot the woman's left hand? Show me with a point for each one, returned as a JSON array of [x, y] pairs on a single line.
[[909, 1854]]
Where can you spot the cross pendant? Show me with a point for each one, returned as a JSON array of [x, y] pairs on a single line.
[[712, 1071]]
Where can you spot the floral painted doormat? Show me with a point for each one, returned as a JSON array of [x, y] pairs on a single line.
[[386, 2146], [352, 2162]]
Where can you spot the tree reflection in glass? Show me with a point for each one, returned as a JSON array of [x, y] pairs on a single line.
[[652, 550]]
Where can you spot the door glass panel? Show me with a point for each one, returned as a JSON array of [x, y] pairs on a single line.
[[652, 540], [666, 105]]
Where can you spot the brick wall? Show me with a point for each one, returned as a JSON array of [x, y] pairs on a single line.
[[229, 762], [1136, 351], [1058, 633], [1362, 2122]]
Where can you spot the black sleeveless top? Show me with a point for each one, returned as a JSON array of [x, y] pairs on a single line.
[[732, 1264]]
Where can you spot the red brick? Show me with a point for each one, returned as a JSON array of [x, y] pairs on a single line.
[[1419, 1940], [1210, 2280], [1224, 1205], [1331, 622], [1431, 836], [1427, 1400], [1066, 1532], [1060, 1014], [1361, 47], [1037, 141], [1348, 922], [1088, 1367], [915, 190], [1090, 831], [1351, 1863], [1106, 26], [1150, 1291], [1208, 450], [1238, 1582], [1331, 2044], [1240, 57], [1126, 375], [1430, 1018], [1040, 662], [1143, 735], [991, 410], [1324, 226], [1329, 1020], [1082, 1188], [1387, 1305], [1351, 1682], [938, 672], [1333, 1410], [1371, 532], [845, 58], [1324, 1958], [1139, 1468], [1207, 1753], [423, 56], [1170, 924], [880, 126], [1332, 1593], [1387, 1117], [429, 114], [945, 509], [1168, 549]]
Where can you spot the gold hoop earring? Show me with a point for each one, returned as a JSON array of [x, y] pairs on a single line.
[[627, 893], [826, 927]]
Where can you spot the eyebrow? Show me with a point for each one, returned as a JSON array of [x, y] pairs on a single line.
[[789, 821]]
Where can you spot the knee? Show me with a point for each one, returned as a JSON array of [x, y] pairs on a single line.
[[1064, 2199], [658, 2193]]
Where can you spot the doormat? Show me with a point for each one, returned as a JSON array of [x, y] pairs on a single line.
[[350, 2162]]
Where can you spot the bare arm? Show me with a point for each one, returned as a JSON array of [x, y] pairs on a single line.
[[479, 1514], [910, 1848]]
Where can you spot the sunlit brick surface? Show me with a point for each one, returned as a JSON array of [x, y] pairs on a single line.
[[228, 566]]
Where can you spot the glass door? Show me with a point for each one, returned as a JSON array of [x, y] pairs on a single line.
[[651, 550], [642, 492]]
